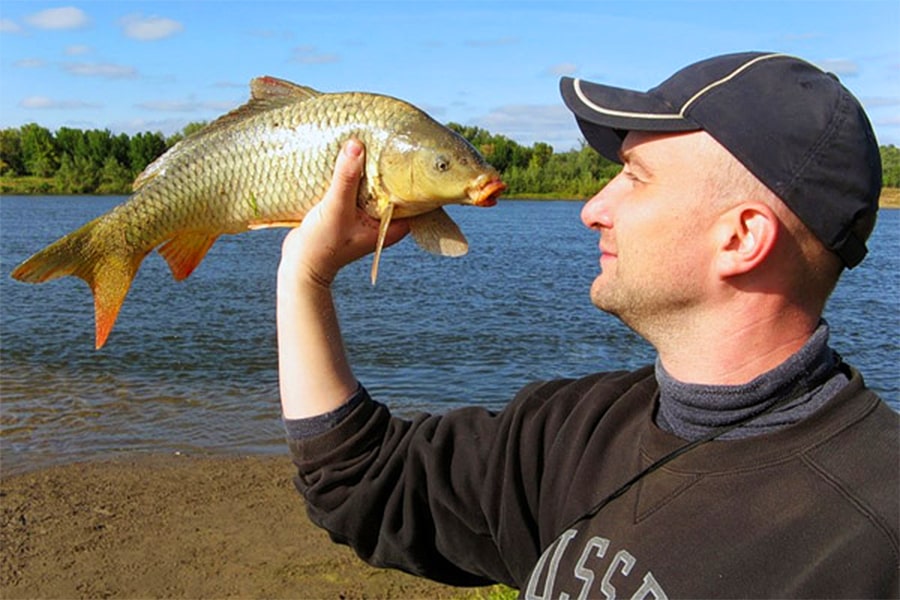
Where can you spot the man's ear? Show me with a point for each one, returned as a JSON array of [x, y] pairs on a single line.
[[745, 236]]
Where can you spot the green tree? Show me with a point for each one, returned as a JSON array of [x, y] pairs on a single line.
[[189, 130], [76, 175], [115, 178], [540, 155], [11, 153], [98, 146], [144, 148], [70, 141], [890, 166], [39, 154]]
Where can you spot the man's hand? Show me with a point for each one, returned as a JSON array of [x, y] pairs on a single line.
[[313, 370], [336, 231]]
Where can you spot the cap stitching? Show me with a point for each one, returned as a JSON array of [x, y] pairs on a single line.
[[617, 113], [727, 78], [681, 113]]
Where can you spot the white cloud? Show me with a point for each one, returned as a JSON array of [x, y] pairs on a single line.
[[880, 101], [843, 67], [30, 63], [530, 123], [307, 55], [43, 102], [9, 26], [145, 29], [134, 126], [493, 43], [67, 17], [78, 50], [185, 106], [105, 70], [561, 69]]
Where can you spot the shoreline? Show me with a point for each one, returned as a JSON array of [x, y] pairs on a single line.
[[175, 526], [889, 199]]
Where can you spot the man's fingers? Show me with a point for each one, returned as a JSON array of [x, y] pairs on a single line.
[[348, 169]]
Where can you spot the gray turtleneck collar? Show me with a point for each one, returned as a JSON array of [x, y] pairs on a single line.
[[692, 411]]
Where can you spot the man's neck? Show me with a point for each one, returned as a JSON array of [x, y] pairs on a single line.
[[740, 349]]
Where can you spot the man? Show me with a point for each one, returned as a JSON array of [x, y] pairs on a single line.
[[749, 461]]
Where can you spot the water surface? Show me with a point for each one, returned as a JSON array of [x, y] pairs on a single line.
[[191, 366]]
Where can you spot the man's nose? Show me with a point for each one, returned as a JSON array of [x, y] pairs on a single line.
[[596, 213]]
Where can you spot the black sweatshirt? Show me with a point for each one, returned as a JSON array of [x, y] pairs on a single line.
[[474, 497]]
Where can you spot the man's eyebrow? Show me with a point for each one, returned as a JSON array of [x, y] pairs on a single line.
[[633, 161]]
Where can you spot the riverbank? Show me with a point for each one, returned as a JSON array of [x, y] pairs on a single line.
[[180, 527], [890, 198], [44, 186]]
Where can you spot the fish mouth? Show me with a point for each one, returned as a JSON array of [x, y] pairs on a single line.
[[486, 193]]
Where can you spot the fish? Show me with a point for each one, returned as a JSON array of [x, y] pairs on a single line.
[[266, 164]]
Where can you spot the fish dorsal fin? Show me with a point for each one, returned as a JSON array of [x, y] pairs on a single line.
[[271, 88], [436, 232], [266, 93]]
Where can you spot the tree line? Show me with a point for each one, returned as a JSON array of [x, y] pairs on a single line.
[[73, 161]]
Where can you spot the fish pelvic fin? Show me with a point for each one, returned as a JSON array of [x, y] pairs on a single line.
[[382, 233], [437, 233], [185, 251], [108, 269]]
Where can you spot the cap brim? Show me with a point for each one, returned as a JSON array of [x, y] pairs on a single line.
[[606, 114]]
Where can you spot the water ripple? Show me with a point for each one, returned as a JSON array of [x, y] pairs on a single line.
[[191, 366]]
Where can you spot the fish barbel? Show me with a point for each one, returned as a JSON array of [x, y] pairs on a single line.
[[266, 164]]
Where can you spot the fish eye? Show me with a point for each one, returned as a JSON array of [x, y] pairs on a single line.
[[441, 164]]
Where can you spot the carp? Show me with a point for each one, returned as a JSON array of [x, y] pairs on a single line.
[[265, 164]]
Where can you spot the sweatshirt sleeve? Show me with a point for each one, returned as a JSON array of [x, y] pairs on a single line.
[[454, 498], [420, 495]]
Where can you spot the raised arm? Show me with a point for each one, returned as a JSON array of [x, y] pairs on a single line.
[[314, 373]]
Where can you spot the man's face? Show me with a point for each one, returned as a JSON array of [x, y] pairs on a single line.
[[653, 220]]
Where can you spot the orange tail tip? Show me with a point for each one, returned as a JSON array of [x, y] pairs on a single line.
[[107, 270], [110, 280]]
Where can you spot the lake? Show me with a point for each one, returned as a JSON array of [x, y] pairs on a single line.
[[191, 366]]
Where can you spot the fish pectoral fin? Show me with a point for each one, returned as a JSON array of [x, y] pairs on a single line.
[[437, 233], [185, 251], [271, 224], [382, 233]]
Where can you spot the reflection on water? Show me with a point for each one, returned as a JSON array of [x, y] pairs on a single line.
[[191, 366]]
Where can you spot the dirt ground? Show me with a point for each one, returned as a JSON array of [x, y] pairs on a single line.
[[179, 527]]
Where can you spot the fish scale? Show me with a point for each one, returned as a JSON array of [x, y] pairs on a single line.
[[266, 164]]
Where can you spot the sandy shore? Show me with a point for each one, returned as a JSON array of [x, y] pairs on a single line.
[[179, 527]]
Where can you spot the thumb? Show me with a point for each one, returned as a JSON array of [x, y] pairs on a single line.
[[348, 170]]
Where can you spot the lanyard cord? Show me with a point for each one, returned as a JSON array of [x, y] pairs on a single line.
[[799, 388]]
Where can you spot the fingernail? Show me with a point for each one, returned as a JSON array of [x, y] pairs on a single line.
[[353, 148]]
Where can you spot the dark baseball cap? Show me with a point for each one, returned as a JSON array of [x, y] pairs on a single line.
[[792, 125]]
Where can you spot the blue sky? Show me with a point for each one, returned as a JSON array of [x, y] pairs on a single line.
[[134, 66]]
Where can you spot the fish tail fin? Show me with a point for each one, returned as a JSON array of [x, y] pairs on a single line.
[[107, 269]]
